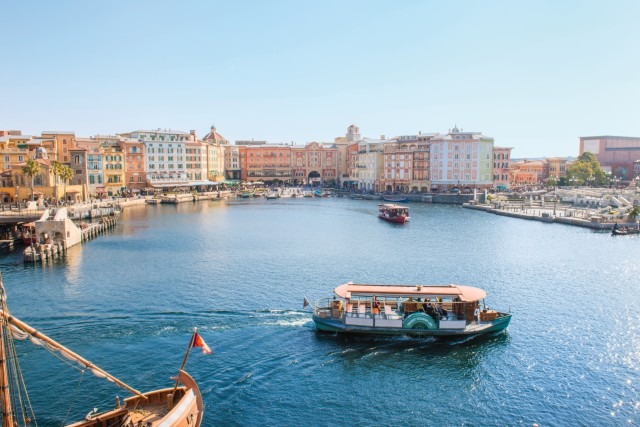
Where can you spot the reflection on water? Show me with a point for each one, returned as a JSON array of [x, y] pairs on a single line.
[[238, 271]]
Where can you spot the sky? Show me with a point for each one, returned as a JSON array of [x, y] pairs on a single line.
[[534, 75]]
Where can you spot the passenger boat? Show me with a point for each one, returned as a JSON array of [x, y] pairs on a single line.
[[393, 213], [415, 310], [180, 405], [29, 234], [272, 195]]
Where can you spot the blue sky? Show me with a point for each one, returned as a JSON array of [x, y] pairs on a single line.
[[535, 75]]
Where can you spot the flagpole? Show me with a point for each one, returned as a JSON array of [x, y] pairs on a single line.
[[184, 362]]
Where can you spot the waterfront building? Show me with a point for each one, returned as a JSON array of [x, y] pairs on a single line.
[[270, 164], [370, 164], [342, 144], [134, 160], [58, 144], [616, 154], [78, 164], [13, 151], [215, 159], [165, 150], [352, 162], [196, 160], [43, 183], [461, 160], [528, 172], [421, 176], [113, 162], [502, 167], [94, 171], [232, 164], [398, 164], [556, 168], [314, 164]]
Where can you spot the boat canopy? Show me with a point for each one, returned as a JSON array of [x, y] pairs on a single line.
[[464, 293]]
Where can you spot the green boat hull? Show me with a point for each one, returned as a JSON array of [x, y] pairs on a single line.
[[338, 326]]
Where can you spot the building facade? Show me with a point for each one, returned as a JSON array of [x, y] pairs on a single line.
[[461, 160], [616, 154], [502, 167]]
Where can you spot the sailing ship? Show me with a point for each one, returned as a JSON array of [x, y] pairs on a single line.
[[178, 406]]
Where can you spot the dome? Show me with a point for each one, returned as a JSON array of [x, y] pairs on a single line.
[[214, 136]]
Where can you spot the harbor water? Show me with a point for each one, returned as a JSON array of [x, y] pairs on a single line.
[[238, 271]]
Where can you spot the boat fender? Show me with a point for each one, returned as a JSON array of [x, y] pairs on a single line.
[[419, 321]]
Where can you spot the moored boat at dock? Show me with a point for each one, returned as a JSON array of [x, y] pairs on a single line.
[[393, 213], [416, 310]]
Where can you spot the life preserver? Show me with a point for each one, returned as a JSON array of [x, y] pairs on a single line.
[[477, 312], [419, 321]]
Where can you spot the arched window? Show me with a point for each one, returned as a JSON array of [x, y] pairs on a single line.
[[77, 159]]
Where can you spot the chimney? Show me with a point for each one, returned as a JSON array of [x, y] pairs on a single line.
[[383, 137], [192, 132]]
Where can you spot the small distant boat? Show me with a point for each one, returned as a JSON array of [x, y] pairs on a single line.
[[624, 231], [29, 234], [393, 213], [395, 199], [272, 195], [246, 194], [414, 310]]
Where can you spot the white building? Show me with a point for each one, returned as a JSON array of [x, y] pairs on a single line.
[[370, 164], [165, 159]]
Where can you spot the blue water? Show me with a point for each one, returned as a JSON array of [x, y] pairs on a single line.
[[239, 271]]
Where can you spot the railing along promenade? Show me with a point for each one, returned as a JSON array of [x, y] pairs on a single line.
[[595, 208]]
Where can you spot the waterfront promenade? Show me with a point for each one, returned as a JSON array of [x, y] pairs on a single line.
[[594, 208]]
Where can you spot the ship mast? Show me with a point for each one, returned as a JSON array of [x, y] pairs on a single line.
[[68, 353], [7, 410]]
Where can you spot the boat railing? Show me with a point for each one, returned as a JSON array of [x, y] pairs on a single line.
[[329, 308]]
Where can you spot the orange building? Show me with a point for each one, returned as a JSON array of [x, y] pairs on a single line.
[[58, 145], [134, 160], [528, 172]]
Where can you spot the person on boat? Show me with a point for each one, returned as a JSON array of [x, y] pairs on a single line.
[[427, 307], [615, 226], [477, 314], [441, 311]]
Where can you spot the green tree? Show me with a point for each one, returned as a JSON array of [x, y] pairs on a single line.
[[586, 170], [634, 213], [31, 169], [56, 170], [66, 174]]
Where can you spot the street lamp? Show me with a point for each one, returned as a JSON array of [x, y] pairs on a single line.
[[17, 193]]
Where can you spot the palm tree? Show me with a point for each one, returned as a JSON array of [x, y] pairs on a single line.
[[56, 170], [634, 213], [66, 173], [31, 169]]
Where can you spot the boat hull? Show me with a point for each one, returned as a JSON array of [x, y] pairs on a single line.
[[395, 219], [395, 199], [186, 411], [473, 329]]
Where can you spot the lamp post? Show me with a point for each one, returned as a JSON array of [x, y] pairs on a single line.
[[17, 194]]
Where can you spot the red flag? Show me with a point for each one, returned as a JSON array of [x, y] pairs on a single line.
[[199, 342]]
